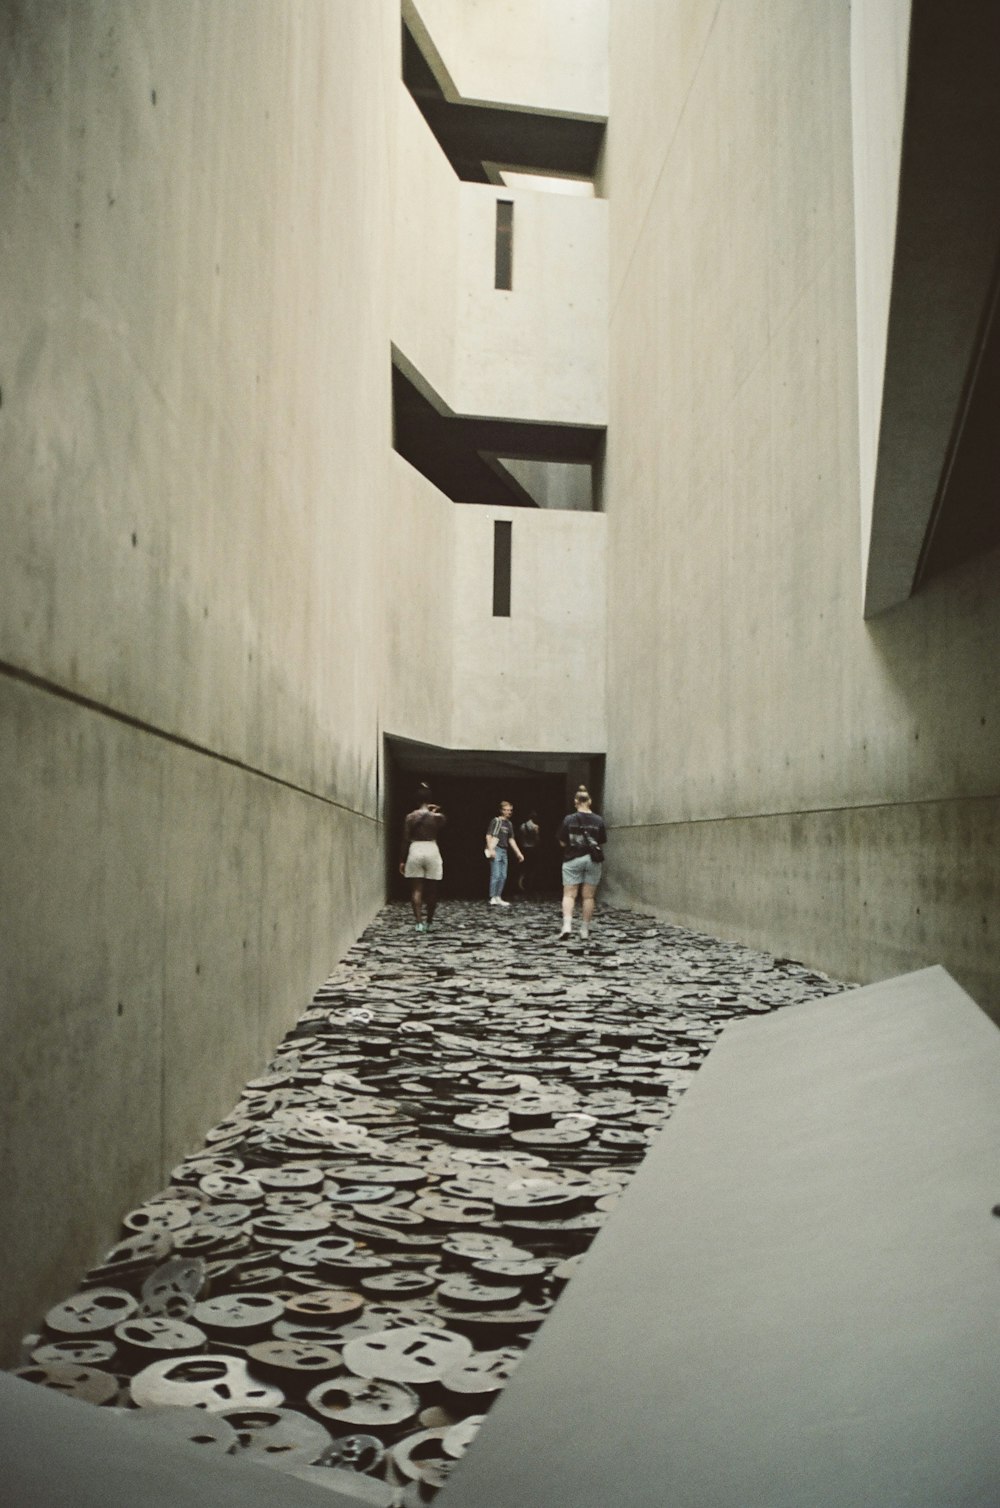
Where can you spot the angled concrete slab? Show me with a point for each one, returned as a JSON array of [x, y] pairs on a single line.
[[797, 1300], [59, 1453]]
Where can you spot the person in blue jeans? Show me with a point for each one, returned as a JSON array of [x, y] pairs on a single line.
[[500, 838]]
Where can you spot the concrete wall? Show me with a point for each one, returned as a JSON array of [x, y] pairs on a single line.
[[535, 680], [420, 556], [551, 57], [195, 405], [537, 351], [880, 34], [778, 771]]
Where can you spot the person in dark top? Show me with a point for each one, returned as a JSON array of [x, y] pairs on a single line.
[[500, 838], [528, 835], [582, 836], [420, 857]]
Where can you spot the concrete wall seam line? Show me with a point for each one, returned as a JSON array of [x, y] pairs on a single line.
[[614, 294], [805, 811], [64, 693]]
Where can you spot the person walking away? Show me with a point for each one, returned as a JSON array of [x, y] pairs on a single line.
[[500, 838], [420, 858], [528, 836], [582, 836]]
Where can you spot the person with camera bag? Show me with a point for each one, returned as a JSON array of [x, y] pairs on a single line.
[[582, 836]]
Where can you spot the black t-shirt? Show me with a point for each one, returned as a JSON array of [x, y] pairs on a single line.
[[502, 829], [572, 830]]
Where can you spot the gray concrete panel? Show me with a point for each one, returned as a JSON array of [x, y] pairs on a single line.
[[796, 1301], [58, 1453], [748, 701], [864, 892], [165, 918]]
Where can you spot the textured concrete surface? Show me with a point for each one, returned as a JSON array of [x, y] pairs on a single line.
[[161, 933], [796, 1300], [844, 885], [551, 57], [743, 684], [59, 1452], [194, 482], [537, 351]]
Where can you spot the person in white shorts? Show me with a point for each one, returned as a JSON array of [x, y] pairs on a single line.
[[420, 858]]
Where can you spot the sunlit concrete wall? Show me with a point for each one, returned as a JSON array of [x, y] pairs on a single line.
[[419, 662], [537, 351], [535, 679], [194, 462], [551, 57], [778, 770], [460, 678]]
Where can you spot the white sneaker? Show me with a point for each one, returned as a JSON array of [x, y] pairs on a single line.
[[496, 900], [565, 934], [584, 933]]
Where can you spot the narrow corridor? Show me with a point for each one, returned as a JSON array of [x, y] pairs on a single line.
[[340, 1283]]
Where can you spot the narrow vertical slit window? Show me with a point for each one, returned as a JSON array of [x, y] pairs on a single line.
[[504, 263], [502, 533]]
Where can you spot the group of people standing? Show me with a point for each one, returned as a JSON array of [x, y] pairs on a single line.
[[581, 835]]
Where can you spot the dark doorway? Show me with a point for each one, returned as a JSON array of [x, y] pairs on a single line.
[[469, 789]]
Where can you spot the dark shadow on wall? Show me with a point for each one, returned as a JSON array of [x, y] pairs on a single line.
[[940, 650]]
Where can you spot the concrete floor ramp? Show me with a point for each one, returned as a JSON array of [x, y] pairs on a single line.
[[797, 1301]]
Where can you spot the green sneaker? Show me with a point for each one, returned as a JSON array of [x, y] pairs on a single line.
[[421, 927]]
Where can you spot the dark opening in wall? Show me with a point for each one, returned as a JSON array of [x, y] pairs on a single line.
[[503, 543], [504, 269], [462, 455], [475, 136]]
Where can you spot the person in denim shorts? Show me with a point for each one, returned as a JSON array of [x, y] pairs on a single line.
[[582, 836]]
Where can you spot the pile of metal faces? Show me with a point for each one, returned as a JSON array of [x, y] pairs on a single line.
[[342, 1281]]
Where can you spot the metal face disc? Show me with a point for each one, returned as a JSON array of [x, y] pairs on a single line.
[[205, 1382], [324, 1306], [279, 1230], [371, 1403], [87, 1384], [85, 1353], [91, 1312], [238, 1313], [244, 1188], [422, 1457], [460, 1436], [288, 1178], [355, 1453], [465, 1292], [318, 1251], [499, 1269], [162, 1215], [398, 1285], [154, 1336], [173, 1288], [484, 1374], [408, 1354], [293, 1362]]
